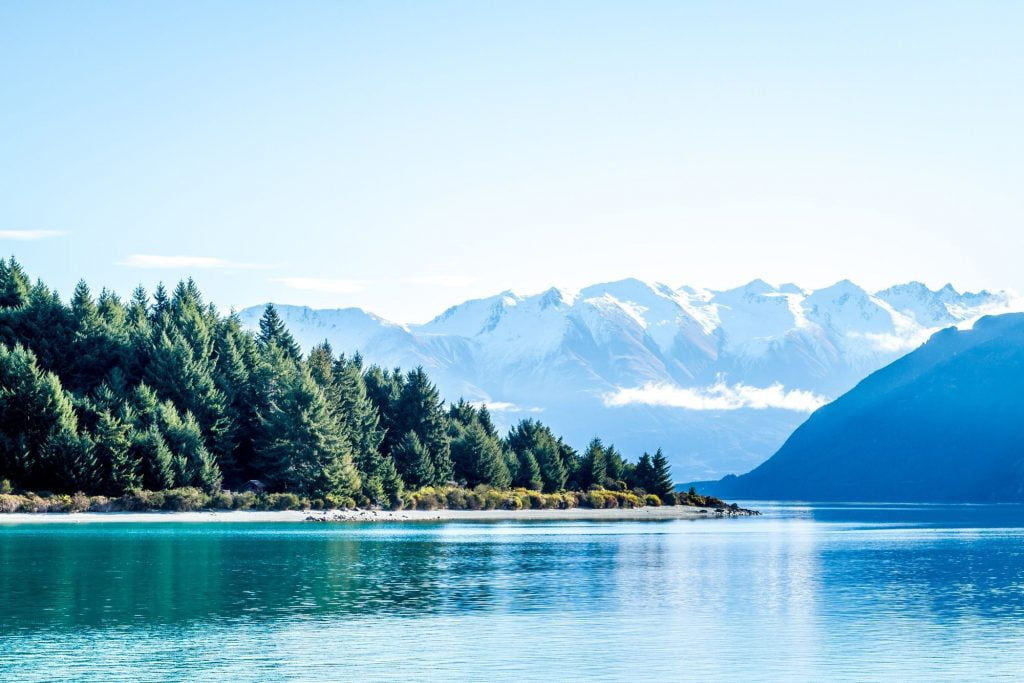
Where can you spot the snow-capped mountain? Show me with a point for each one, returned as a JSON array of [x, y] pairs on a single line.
[[717, 378]]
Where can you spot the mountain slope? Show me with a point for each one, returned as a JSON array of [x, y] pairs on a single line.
[[943, 423], [717, 378]]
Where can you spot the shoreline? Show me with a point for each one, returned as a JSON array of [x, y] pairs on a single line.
[[324, 516]]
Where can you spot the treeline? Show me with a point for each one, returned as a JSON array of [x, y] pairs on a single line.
[[105, 396]]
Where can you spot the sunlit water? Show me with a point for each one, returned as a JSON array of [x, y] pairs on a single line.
[[826, 593]]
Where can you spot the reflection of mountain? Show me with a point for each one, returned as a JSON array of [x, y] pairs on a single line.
[[944, 423], [648, 365]]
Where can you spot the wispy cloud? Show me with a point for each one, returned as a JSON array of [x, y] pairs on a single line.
[[319, 284], [718, 396], [505, 407], [441, 280], [28, 235], [179, 262]]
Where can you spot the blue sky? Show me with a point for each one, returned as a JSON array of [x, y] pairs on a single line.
[[405, 156]]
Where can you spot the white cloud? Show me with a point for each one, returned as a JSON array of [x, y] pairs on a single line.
[[720, 396], [27, 235], [505, 407], [319, 284], [453, 281], [180, 262]]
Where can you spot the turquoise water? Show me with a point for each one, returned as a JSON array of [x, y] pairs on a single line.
[[801, 593]]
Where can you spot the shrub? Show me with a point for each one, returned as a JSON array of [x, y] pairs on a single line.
[[139, 500], [457, 499], [283, 501], [652, 500], [244, 501], [184, 499], [341, 502], [425, 500], [5, 486], [100, 504], [513, 502], [59, 503], [9, 502], [222, 500], [31, 502], [79, 502]]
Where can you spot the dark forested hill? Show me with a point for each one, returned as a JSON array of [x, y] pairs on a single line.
[[105, 396], [943, 423]]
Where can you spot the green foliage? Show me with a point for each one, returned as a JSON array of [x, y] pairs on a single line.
[[419, 410], [303, 446], [530, 435], [161, 402], [594, 466], [602, 498], [661, 477], [184, 499], [150, 449], [487, 498], [528, 472], [274, 333], [478, 457], [413, 461], [119, 463], [654, 475]]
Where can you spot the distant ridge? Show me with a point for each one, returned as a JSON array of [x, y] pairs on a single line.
[[943, 424], [720, 378]]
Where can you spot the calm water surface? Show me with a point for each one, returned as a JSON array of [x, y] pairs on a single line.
[[802, 593]]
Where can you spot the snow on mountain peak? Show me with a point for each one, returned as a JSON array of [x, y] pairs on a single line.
[[563, 351]]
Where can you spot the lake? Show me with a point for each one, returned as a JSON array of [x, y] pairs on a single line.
[[850, 592]]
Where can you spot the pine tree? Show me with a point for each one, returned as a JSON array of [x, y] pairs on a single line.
[[381, 483], [479, 459], [113, 451], [274, 333], [161, 303], [239, 376], [537, 438], [661, 483], [484, 418], [72, 464], [420, 410], [594, 468], [528, 472], [183, 364], [615, 464], [414, 462], [321, 366], [643, 475], [14, 284], [150, 449], [34, 408], [192, 463], [304, 448]]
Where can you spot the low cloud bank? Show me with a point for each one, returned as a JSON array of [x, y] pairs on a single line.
[[720, 396]]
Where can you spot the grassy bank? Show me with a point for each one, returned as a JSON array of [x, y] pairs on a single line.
[[428, 498]]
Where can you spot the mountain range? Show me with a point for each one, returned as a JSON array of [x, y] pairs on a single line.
[[718, 379], [944, 423]]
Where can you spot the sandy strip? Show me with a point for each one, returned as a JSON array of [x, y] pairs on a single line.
[[677, 512]]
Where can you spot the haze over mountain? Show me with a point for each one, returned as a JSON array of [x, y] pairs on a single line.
[[717, 378], [943, 423]]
